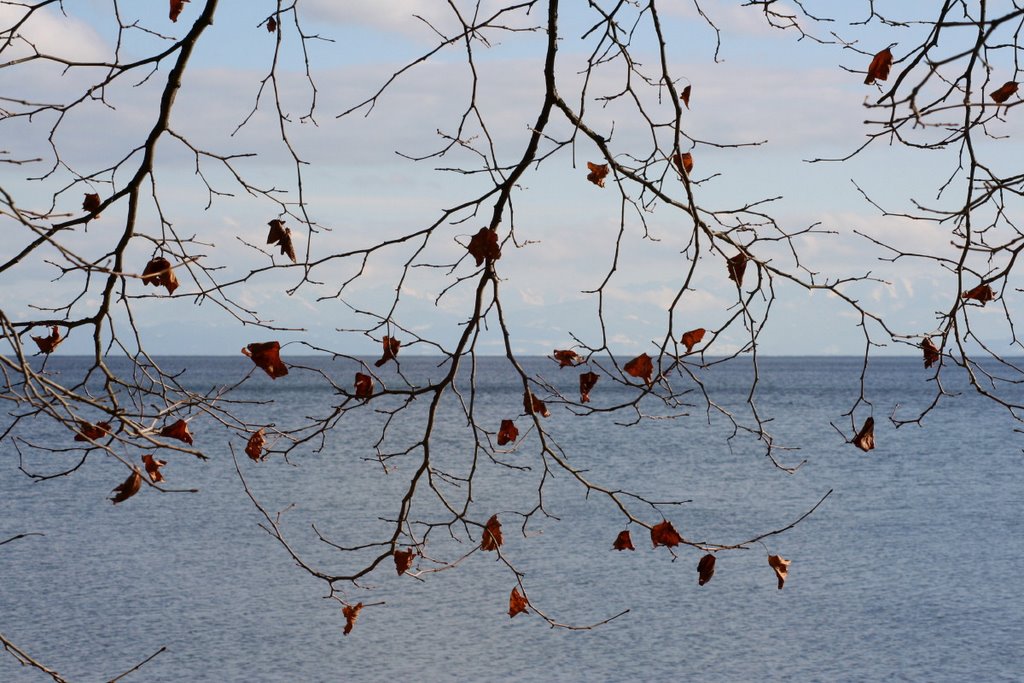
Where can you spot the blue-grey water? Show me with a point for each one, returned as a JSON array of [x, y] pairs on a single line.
[[910, 570]]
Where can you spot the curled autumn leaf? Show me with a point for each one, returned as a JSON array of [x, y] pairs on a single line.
[[483, 246], [865, 439], [931, 352], [683, 163], [641, 367], [364, 385], [982, 294], [91, 203], [254, 446], [587, 382], [692, 338], [623, 541], [351, 613], [153, 468], [598, 172], [271, 24], [282, 237], [705, 569], [492, 538], [48, 344], [403, 560], [158, 272], [1005, 92], [507, 432], [663, 533], [737, 265], [685, 95], [878, 70], [178, 430], [267, 357], [128, 488], [88, 430], [391, 346], [516, 603], [176, 7], [781, 567], [566, 358], [533, 405]]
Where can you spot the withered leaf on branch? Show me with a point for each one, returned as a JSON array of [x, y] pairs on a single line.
[[176, 7], [48, 344], [484, 246], [641, 367], [281, 236], [516, 603], [507, 432], [158, 272], [153, 468], [128, 488], [623, 541], [598, 172], [982, 294], [781, 567], [737, 265], [254, 446], [931, 352], [403, 560], [685, 95], [683, 163], [492, 538], [692, 338], [879, 67], [267, 357], [587, 382], [663, 533], [705, 569], [91, 203], [178, 430], [865, 439], [566, 358], [364, 385], [351, 613], [271, 24], [532, 405], [1005, 92], [391, 346], [88, 430]]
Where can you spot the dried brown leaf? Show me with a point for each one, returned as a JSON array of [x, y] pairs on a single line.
[[267, 357], [931, 352], [865, 439], [598, 172], [351, 613], [507, 432], [153, 468], [663, 533], [48, 344], [484, 246], [641, 367], [781, 567], [128, 488], [254, 446], [533, 405], [178, 430], [391, 346], [587, 382], [364, 385], [623, 541], [705, 569], [158, 272], [879, 67], [403, 560], [492, 538], [692, 338], [517, 603], [1005, 92]]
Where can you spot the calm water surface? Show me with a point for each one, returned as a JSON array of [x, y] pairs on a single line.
[[910, 571]]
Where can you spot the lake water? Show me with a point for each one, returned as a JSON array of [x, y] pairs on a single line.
[[910, 570]]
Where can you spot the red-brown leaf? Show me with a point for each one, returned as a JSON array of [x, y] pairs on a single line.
[[271, 24], [158, 272], [391, 346], [566, 357], [1005, 92], [483, 246], [598, 172], [267, 357], [879, 67], [705, 569], [641, 367], [128, 488], [351, 613], [254, 446], [663, 533], [685, 95], [48, 344], [587, 382], [692, 338], [178, 430], [364, 385], [403, 560], [88, 430], [780, 566], [91, 203], [153, 468], [683, 163], [516, 603], [507, 432], [532, 405], [492, 538], [737, 265], [281, 236], [623, 541], [931, 352], [176, 7], [865, 439], [982, 294]]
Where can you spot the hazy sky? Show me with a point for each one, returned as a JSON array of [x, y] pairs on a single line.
[[794, 96]]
